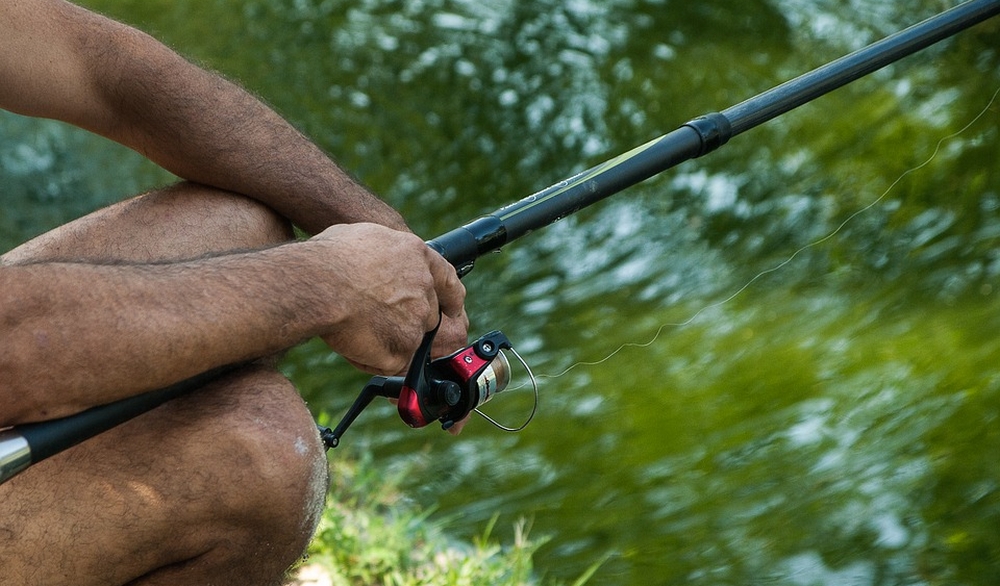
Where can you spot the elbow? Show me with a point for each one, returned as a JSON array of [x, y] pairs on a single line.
[[13, 409], [24, 398], [115, 68], [32, 387]]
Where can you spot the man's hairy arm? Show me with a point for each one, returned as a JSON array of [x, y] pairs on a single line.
[[132, 328], [60, 61]]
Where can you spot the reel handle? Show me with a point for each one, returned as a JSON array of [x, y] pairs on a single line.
[[378, 386]]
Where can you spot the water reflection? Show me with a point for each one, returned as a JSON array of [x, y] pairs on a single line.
[[831, 423]]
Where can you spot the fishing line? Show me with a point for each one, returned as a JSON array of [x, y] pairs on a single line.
[[787, 261]]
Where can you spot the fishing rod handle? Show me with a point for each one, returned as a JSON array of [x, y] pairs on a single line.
[[30, 443], [463, 245]]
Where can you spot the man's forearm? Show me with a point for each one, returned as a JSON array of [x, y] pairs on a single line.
[[77, 335]]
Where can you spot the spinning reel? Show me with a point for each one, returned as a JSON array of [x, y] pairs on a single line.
[[447, 389]]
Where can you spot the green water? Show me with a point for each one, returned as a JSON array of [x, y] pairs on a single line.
[[834, 422]]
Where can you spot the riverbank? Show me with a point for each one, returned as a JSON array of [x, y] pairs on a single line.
[[371, 533]]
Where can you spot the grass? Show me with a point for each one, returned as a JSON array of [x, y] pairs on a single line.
[[371, 534]]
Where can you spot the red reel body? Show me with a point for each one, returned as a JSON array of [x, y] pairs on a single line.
[[447, 389]]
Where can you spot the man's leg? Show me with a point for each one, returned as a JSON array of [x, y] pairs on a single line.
[[223, 486], [180, 222]]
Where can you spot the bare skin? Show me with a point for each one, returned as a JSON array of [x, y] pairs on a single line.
[[60, 61], [223, 486], [220, 487], [136, 327]]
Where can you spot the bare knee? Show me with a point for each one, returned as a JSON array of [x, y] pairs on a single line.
[[231, 220], [180, 222], [223, 486], [274, 481], [284, 457], [285, 466]]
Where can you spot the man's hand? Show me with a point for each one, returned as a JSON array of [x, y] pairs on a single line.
[[393, 288]]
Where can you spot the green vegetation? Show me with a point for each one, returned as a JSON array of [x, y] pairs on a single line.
[[372, 534]]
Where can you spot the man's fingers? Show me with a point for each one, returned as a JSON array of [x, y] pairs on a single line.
[[452, 335], [457, 428], [449, 288]]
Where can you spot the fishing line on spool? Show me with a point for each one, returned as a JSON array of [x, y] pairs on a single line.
[[787, 261], [498, 379]]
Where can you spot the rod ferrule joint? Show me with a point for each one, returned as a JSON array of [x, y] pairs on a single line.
[[714, 130]]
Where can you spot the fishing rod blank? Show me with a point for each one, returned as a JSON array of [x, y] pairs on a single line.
[[24, 445], [462, 246]]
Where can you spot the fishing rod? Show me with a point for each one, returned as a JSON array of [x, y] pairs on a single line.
[[30, 443], [450, 388], [420, 394]]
